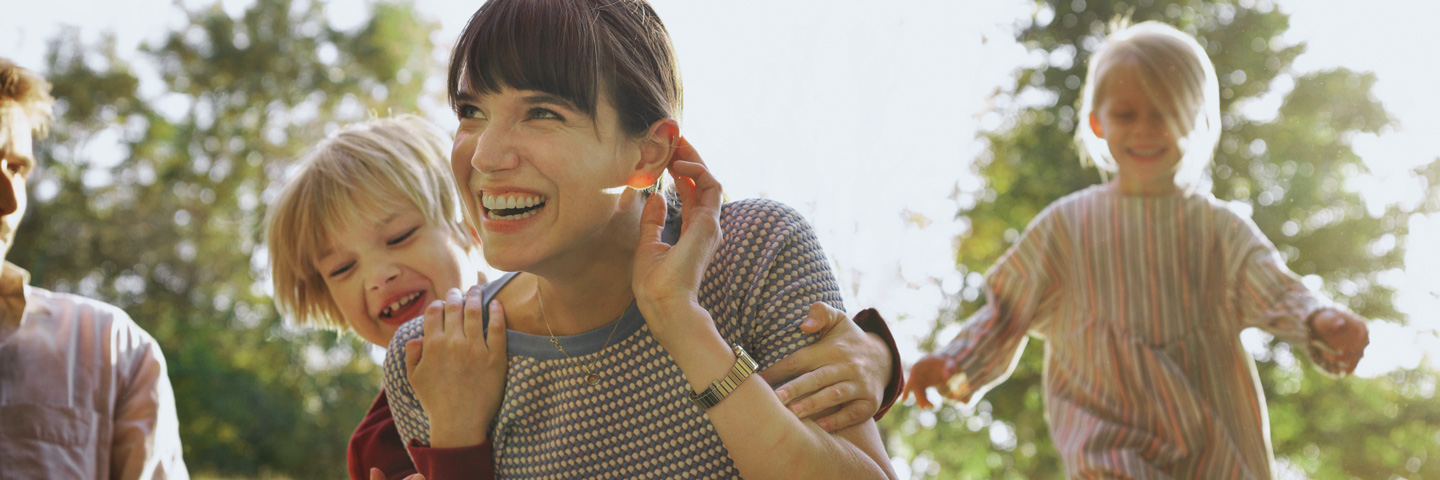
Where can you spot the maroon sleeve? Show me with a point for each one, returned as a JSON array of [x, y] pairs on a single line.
[[477, 461], [376, 444], [870, 321]]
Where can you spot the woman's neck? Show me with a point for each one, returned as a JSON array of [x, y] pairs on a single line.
[[581, 289]]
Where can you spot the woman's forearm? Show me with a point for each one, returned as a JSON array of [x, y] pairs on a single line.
[[764, 438]]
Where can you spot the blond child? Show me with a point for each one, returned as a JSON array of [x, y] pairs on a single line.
[[370, 230], [1141, 287], [364, 235]]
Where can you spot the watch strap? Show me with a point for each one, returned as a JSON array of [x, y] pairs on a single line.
[[717, 391]]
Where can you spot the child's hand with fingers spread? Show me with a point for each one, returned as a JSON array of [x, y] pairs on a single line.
[[457, 370], [1340, 338], [846, 368]]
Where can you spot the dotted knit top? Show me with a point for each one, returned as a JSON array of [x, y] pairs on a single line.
[[638, 421]]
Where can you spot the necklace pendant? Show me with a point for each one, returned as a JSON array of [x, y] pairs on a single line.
[[592, 379]]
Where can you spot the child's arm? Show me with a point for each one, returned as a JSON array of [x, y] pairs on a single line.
[[848, 367], [376, 444], [1267, 295], [1019, 290]]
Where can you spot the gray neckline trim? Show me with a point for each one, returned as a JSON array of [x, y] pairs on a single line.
[[579, 345]]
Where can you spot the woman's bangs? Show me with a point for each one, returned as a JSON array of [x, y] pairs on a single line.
[[540, 46]]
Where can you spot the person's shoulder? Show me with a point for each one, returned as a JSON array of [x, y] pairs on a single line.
[[759, 207], [72, 306], [1068, 206], [86, 314], [760, 214]]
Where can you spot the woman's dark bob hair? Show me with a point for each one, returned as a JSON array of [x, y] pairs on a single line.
[[573, 49]]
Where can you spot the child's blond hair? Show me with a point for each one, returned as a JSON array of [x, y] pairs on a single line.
[[1176, 74], [363, 170]]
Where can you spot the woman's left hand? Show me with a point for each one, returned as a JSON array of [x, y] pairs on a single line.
[[846, 368], [667, 278]]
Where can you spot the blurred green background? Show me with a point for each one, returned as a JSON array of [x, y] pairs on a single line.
[[172, 231]]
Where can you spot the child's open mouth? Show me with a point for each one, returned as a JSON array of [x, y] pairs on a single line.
[[1146, 154], [402, 306], [511, 206]]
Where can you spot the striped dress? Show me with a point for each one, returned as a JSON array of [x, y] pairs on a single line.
[[638, 422], [1141, 301]]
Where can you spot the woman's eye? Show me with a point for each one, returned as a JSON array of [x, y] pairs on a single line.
[[469, 111], [545, 114], [401, 237], [341, 271]]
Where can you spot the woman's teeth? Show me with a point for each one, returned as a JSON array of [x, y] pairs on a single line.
[[393, 307], [511, 206], [509, 201]]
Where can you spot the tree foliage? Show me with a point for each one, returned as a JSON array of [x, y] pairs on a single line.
[[1288, 163], [156, 203]]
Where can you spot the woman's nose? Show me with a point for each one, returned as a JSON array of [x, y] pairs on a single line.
[[495, 150]]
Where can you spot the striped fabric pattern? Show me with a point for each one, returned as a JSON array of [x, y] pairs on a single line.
[[639, 422], [1141, 301]]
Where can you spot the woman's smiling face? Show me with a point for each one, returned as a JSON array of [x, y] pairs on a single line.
[[542, 179]]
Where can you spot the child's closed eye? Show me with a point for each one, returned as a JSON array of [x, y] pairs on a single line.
[[341, 270], [398, 239]]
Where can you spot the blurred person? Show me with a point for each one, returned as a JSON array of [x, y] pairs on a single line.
[[369, 230], [1141, 286], [83, 389]]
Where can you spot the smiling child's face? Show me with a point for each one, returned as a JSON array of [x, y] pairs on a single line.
[[1134, 128], [383, 273]]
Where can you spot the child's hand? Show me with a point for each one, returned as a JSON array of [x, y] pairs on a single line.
[[667, 278], [934, 371], [459, 374], [846, 367], [1340, 338]]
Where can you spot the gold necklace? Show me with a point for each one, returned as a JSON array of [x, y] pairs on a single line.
[[591, 377]]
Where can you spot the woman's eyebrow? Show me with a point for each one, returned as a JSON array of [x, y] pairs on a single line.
[[548, 99], [465, 95]]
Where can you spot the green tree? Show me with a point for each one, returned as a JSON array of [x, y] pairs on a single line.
[[1290, 168], [171, 230]]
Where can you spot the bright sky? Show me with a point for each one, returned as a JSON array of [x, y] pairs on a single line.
[[864, 118]]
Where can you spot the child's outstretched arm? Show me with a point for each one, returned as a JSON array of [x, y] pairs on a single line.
[[1267, 295], [1020, 290]]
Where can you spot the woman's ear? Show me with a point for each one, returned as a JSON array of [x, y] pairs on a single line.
[[1096, 126], [656, 151]]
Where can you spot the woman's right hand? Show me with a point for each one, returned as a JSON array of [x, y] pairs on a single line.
[[458, 371], [666, 278]]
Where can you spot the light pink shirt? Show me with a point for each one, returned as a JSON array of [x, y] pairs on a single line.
[[83, 390]]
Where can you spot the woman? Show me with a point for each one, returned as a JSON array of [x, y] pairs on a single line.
[[630, 349]]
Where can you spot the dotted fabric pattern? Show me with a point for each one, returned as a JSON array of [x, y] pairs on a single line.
[[639, 422]]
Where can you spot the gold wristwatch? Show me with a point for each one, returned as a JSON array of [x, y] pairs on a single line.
[[744, 366]]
